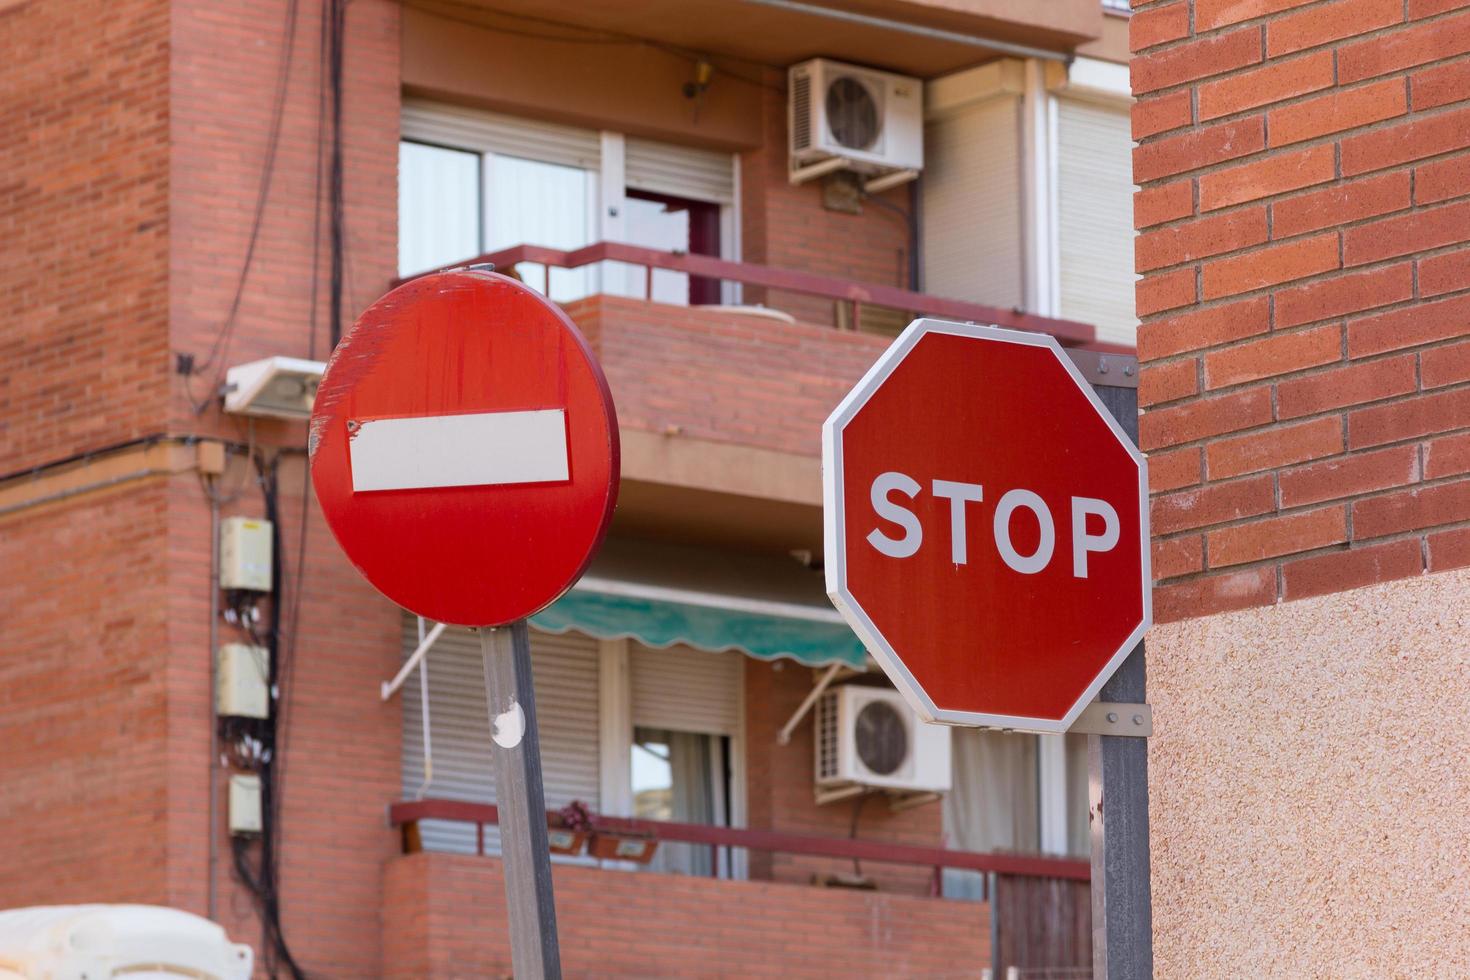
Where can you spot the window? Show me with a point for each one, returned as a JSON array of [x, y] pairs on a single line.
[[438, 206], [454, 204], [1003, 792], [683, 777], [472, 182]]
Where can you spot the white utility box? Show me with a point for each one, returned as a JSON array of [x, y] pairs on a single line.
[[242, 681], [245, 805], [130, 942], [245, 554]]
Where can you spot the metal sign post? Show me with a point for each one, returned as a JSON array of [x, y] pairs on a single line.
[[1117, 765], [521, 800]]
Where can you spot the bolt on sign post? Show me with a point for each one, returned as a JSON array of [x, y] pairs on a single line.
[[464, 449], [986, 521]]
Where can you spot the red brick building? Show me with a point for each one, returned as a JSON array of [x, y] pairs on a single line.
[[1303, 169], [178, 202], [192, 188]]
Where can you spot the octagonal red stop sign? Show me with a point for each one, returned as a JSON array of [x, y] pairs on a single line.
[[986, 527], [464, 448]]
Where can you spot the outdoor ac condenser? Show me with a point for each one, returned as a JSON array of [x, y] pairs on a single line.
[[844, 117], [868, 737]]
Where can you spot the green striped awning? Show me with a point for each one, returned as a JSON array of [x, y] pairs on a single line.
[[661, 618]]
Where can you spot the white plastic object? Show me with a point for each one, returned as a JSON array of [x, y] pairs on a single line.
[[273, 388], [133, 942]]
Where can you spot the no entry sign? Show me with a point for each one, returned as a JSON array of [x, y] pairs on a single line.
[[986, 527], [464, 448]]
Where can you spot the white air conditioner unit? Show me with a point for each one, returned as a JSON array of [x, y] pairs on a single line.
[[868, 738], [842, 117], [273, 388]]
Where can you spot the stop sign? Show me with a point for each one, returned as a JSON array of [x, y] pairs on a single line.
[[464, 448], [986, 527]]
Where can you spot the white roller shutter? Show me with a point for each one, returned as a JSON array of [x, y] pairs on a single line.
[[491, 132], [566, 671], [680, 171], [972, 204], [686, 690], [1095, 207]]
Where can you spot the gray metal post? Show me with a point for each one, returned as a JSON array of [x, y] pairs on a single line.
[[521, 801], [1122, 904]]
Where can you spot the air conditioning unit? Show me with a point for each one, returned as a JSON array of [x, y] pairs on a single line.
[[843, 117], [868, 738]]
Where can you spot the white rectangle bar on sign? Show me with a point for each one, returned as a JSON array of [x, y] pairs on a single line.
[[485, 449]]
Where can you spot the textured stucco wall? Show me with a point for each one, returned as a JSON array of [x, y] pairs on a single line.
[[1310, 786]]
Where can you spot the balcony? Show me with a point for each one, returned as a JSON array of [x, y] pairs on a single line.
[[721, 407], [444, 914]]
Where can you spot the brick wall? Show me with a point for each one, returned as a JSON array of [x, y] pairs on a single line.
[[342, 742], [1304, 215], [780, 791], [83, 700], [725, 376], [84, 226], [786, 226], [222, 99], [444, 915]]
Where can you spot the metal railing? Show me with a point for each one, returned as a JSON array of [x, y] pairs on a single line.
[[937, 858], [1069, 333]]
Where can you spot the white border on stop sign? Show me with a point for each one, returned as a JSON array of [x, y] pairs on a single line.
[[836, 559]]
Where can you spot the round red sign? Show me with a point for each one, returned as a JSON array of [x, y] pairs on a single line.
[[987, 530], [464, 448]]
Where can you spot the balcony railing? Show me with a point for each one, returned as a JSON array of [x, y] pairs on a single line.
[[937, 858], [1069, 333]]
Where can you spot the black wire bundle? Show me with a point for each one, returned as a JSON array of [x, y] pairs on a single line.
[[334, 25], [261, 877]]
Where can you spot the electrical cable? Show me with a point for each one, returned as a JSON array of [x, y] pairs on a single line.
[[316, 196], [221, 345], [255, 747], [336, 217], [857, 809]]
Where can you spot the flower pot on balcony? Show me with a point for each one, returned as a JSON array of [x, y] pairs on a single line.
[[564, 841], [638, 848]]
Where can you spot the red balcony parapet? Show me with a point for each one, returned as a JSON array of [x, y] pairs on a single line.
[[1069, 333], [1034, 866]]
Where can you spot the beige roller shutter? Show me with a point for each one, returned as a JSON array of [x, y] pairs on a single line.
[[686, 690], [680, 171], [492, 132], [972, 204], [566, 672], [1095, 208]]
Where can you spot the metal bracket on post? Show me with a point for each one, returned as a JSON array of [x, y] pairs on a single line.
[[1114, 718], [1103, 370]]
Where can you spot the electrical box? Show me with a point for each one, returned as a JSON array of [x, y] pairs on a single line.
[[242, 687], [245, 805], [245, 554]]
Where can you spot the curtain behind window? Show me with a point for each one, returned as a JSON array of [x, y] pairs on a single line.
[[994, 802]]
